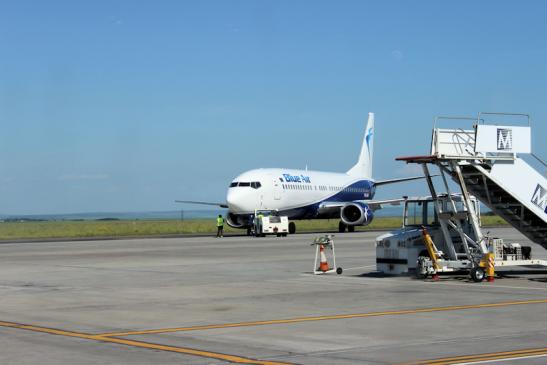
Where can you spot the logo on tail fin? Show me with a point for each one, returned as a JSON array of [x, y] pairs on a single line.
[[368, 137]]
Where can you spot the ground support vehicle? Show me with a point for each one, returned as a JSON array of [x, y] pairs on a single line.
[[483, 162], [267, 222], [397, 252]]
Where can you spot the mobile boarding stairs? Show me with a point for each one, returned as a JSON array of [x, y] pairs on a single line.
[[486, 161]]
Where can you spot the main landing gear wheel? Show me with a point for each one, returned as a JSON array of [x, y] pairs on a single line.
[[351, 228], [477, 274], [292, 228], [341, 227]]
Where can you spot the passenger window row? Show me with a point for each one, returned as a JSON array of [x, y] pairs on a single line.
[[296, 187], [322, 188]]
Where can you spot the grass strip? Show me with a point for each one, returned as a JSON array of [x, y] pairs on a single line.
[[83, 229]]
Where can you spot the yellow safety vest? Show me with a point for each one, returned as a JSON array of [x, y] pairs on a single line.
[[220, 222]]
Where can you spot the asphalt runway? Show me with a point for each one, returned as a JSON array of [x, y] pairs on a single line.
[[203, 300]]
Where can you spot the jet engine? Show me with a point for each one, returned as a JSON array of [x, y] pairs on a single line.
[[356, 214], [237, 221]]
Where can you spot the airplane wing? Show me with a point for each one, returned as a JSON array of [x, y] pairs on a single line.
[[221, 205], [373, 204], [393, 181]]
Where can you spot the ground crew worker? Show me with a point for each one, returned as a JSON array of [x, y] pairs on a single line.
[[259, 223], [220, 226]]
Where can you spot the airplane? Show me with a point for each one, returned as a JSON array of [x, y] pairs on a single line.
[[303, 194]]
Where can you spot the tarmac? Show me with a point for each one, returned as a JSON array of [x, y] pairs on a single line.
[[246, 300]]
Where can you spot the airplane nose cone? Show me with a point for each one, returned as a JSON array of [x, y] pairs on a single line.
[[236, 200]]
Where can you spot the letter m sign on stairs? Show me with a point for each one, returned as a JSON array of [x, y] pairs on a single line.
[[505, 139], [539, 198]]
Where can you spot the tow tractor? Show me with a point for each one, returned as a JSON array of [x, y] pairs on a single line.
[[269, 222], [442, 233]]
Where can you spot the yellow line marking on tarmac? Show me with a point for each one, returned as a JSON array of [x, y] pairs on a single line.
[[51, 331], [140, 344], [189, 351], [324, 318], [494, 356]]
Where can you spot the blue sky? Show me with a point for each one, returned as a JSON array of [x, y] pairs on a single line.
[[124, 105]]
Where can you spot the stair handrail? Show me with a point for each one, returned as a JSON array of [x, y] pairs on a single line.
[[447, 117], [458, 141], [479, 119], [539, 159]]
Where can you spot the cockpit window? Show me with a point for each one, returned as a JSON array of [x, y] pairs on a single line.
[[254, 184]]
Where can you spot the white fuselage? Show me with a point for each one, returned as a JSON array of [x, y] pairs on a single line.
[[303, 194], [297, 193]]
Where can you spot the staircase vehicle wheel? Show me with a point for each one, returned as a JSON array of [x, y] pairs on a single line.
[[477, 274], [339, 271]]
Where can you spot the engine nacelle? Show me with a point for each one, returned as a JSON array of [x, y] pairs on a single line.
[[237, 221], [356, 214]]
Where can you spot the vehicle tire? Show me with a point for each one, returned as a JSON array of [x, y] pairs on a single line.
[[423, 261], [351, 228], [339, 271], [249, 232], [284, 235], [341, 227], [292, 228], [278, 235], [477, 274]]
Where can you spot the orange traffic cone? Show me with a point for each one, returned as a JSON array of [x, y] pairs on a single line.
[[323, 265]]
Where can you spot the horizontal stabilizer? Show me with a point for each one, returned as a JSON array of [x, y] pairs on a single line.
[[378, 204], [393, 181], [221, 205]]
